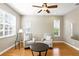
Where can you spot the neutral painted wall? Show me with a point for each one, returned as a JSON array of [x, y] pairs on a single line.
[[42, 24], [71, 17], [9, 41]]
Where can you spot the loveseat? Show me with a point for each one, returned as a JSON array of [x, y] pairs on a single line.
[[29, 39]]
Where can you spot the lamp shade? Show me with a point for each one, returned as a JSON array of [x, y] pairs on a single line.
[[20, 31]]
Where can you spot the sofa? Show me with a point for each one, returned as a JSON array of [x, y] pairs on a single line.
[[29, 39]]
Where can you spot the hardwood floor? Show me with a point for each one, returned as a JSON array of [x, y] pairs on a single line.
[[59, 49]]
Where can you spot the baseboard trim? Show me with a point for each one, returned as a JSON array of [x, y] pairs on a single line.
[[58, 41], [72, 46], [7, 49]]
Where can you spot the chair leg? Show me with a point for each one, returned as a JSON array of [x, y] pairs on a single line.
[[15, 44], [19, 44]]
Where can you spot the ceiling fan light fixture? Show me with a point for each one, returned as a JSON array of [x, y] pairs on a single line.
[[44, 8]]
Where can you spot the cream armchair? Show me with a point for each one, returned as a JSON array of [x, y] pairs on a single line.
[[28, 40], [47, 39]]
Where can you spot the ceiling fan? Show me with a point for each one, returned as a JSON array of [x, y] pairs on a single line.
[[44, 7]]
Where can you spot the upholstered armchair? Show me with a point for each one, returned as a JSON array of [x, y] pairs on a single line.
[[47, 39], [28, 40]]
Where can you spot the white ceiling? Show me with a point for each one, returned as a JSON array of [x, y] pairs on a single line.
[[27, 9]]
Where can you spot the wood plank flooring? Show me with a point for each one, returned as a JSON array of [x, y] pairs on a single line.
[[59, 49]]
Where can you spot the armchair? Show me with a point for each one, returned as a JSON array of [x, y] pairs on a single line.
[[47, 39], [28, 40]]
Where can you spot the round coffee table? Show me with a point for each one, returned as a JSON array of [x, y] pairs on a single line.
[[39, 47]]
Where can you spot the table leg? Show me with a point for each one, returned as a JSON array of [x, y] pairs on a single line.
[[46, 53], [39, 53], [32, 53]]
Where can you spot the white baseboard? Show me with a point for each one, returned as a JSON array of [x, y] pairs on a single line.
[[58, 41], [7, 49], [72, 46]]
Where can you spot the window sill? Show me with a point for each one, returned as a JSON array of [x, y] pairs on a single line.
[[56, 36], [6, 36]]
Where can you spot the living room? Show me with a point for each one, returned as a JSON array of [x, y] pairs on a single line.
[[59, 27]]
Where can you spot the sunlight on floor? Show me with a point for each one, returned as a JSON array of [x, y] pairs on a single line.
[[56, 51]]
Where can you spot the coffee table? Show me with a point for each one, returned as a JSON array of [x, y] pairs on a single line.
[[39, 47]]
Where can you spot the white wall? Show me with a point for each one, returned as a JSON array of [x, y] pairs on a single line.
[[9, 41], [41, 24], [71, 17]]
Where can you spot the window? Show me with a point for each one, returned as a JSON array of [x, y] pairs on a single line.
[[28, 27], [7, 24], [71, 29], [56, 28]]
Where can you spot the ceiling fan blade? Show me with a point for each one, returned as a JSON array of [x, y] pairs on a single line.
[[39, 11], [47, 11], [53, 6], [77, 4], [36, 6]]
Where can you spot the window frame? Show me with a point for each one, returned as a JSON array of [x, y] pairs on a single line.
[[54, 28], [10, 25]]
